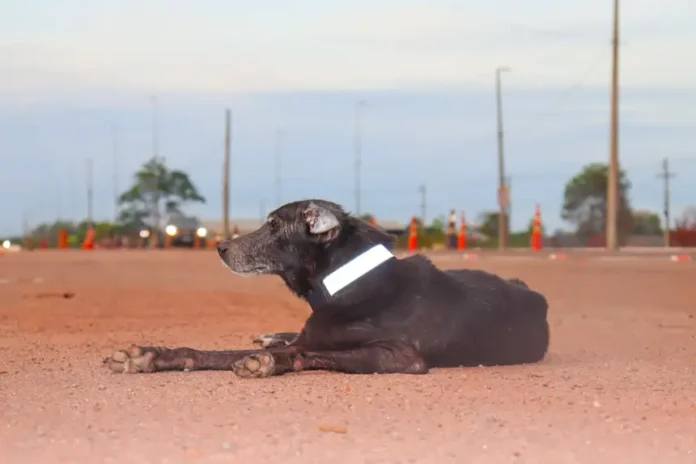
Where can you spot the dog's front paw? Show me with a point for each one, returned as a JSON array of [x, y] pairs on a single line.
[[257, 365], [133, 360]]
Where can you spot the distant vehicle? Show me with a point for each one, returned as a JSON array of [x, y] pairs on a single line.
[[181, 229]]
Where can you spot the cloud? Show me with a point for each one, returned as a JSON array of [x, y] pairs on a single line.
[[217, 47]]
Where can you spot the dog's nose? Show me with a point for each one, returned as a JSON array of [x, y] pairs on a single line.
[[222, 247]]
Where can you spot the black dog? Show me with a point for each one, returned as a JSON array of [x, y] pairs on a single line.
[[372, 313]]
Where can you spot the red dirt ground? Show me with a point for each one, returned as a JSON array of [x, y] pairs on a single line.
[[618, 385]]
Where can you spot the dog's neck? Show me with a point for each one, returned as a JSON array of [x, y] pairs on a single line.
[[338, 270], [326, 287]]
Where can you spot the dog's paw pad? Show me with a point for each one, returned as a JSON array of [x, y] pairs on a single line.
[[132, 360], [255, 365]]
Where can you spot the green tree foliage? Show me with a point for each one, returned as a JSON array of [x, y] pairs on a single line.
[[156, 189], [646, 223], [585, 202]]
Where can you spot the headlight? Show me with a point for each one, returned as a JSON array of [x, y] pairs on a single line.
[[201, 232], [6, 244], [171, 230], [144, 233]]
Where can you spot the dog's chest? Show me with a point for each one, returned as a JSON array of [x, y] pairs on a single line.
[[321, 334]]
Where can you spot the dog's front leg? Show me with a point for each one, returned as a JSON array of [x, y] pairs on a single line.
[[374, 358], [147, 359]]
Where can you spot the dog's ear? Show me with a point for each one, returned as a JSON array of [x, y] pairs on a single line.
[[322, 223]]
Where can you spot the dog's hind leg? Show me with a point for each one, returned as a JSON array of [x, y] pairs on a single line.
[[388, 357], [147, 359]]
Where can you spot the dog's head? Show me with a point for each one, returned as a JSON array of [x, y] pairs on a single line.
[[300, 241]]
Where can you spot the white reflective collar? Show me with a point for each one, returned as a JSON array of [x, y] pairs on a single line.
[[356, 268]]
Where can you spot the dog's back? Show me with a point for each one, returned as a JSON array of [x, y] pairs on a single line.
[[467, 317]]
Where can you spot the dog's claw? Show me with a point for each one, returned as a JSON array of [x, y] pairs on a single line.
[[256, 365]]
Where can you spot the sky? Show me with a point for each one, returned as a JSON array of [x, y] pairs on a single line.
[[74, 73]]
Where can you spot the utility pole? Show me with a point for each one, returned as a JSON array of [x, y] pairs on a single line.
[[90, 192], [115, 135], [359, 107], [503, 197], [155, 127], [278, 167], [613, 175], [226, 176], [424, 203], [153, 187], [666, 175]]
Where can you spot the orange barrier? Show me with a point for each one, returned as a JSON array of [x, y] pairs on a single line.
[[88, 244], [212, 244], [461, 241], [413, 236], [63, 239], [537, 244]]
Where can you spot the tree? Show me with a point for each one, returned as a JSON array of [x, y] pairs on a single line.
[[688, 218], [156, 187], [646, 223], [438, 225], [585, 201]]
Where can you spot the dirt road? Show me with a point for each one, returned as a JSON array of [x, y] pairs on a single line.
[[619, 385]]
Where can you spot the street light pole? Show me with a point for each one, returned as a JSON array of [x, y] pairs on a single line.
[[503, 199], [360, 105]]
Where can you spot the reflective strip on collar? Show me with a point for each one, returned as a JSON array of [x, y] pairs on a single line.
[[356, 268]]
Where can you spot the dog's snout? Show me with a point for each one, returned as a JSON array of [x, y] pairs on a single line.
[[223, 247]]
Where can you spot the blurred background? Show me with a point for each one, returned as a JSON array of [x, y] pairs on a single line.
[[114, 115]]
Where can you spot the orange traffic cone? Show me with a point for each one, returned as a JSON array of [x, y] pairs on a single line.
[[537, 244], [44, 244], [461, 239], [413, 236], [88, 244], [212, 242], [63, 239], [373, 222]]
